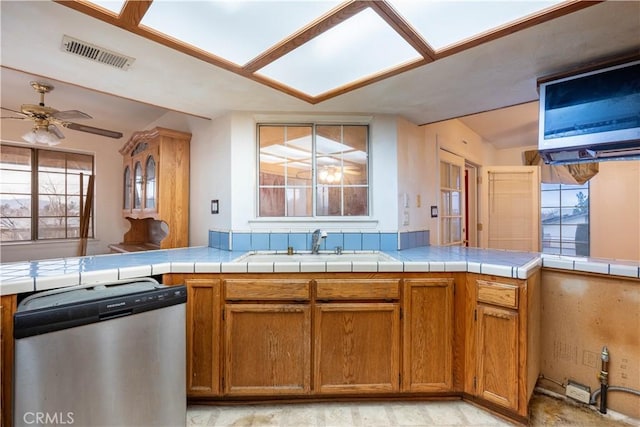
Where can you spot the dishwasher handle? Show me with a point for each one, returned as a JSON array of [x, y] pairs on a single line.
[[115, 314]]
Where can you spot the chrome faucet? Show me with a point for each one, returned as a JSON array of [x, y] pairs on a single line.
[[316, 239]]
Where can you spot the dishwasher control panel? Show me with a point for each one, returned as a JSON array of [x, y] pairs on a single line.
[[92, 305]]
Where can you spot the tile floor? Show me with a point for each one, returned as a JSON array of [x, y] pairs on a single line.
[[370, 414], [545, 411]]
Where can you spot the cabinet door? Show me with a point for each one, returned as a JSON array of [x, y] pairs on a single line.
[[203, 337], [428, 335], [150, 184], [497, 373], [127, 188], [137, 185], [7, 308], [267, 349], [357, 347]]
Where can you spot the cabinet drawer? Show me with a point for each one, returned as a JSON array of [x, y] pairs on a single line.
[[267, 289], [352, 289], [502, 294]]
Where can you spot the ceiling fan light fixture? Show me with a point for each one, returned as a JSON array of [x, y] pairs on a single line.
[[39, 135]]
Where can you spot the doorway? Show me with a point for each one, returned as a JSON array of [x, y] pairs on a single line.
[[471, 204], [452, 199]]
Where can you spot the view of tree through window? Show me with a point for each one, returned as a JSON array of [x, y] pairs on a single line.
[[313, 170], [40, 193], [565, 219]]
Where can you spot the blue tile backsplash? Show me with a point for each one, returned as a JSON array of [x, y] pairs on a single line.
[[350, 241]]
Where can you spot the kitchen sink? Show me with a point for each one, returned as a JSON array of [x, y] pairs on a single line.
[[321, 257]]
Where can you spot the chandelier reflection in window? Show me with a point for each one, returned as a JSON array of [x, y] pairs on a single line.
[[330, 175]]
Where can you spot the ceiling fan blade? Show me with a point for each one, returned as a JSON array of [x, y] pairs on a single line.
[[54, 130], [16, 112], [91, 129], [70, 115]]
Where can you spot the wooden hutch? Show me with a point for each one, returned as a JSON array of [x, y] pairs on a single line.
[[156, 190]]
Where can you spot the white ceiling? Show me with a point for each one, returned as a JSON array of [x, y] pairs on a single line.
[[488, 77]]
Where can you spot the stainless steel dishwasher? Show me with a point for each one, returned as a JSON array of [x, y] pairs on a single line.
[[109, 355]]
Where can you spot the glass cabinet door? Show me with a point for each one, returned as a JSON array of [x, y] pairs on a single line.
[[126, 204], [150, 184], [137, 189]]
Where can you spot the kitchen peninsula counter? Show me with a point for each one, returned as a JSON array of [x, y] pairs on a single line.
[[486, 305], [19, 277]]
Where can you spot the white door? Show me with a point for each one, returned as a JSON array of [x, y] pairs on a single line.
[[451, 199], [511, 207]]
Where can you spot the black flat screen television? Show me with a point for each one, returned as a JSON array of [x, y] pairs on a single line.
[[595, 108]]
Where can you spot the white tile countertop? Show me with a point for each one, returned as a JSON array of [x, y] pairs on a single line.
[[42, 275]]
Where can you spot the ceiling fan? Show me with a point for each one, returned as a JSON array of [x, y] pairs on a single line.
[[46, 118]]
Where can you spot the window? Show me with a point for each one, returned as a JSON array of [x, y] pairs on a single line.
[[41, 194], [565, 219], [313, 170]]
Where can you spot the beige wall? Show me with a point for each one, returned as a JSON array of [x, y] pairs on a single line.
[[417, 172], [580, 315], [615, 211]]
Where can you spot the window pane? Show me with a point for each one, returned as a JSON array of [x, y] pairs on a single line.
[[15, 205], [455, 203], [272, 201], [73, 184], [299, 201], [73, 206], [51, 183], [455, 177], [127, 188], [18, 182], [550, 199], [356, 201], [150, 187], [445, 178], [446, 225], [52, 228], [445, 203], [456, 230], [52, 205], [328, 201], [575, 198], [15, 229], [137, 189], [73, 227], [550, 216]]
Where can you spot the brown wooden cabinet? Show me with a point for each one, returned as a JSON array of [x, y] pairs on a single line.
[[357, 336], [503, 340], [7, 308], [331, 334], [497, 363], [428, 335], [156, 189], [267, 339], [203, 337]]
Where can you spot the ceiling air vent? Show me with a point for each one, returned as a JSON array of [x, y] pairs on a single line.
[[96, 53]]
